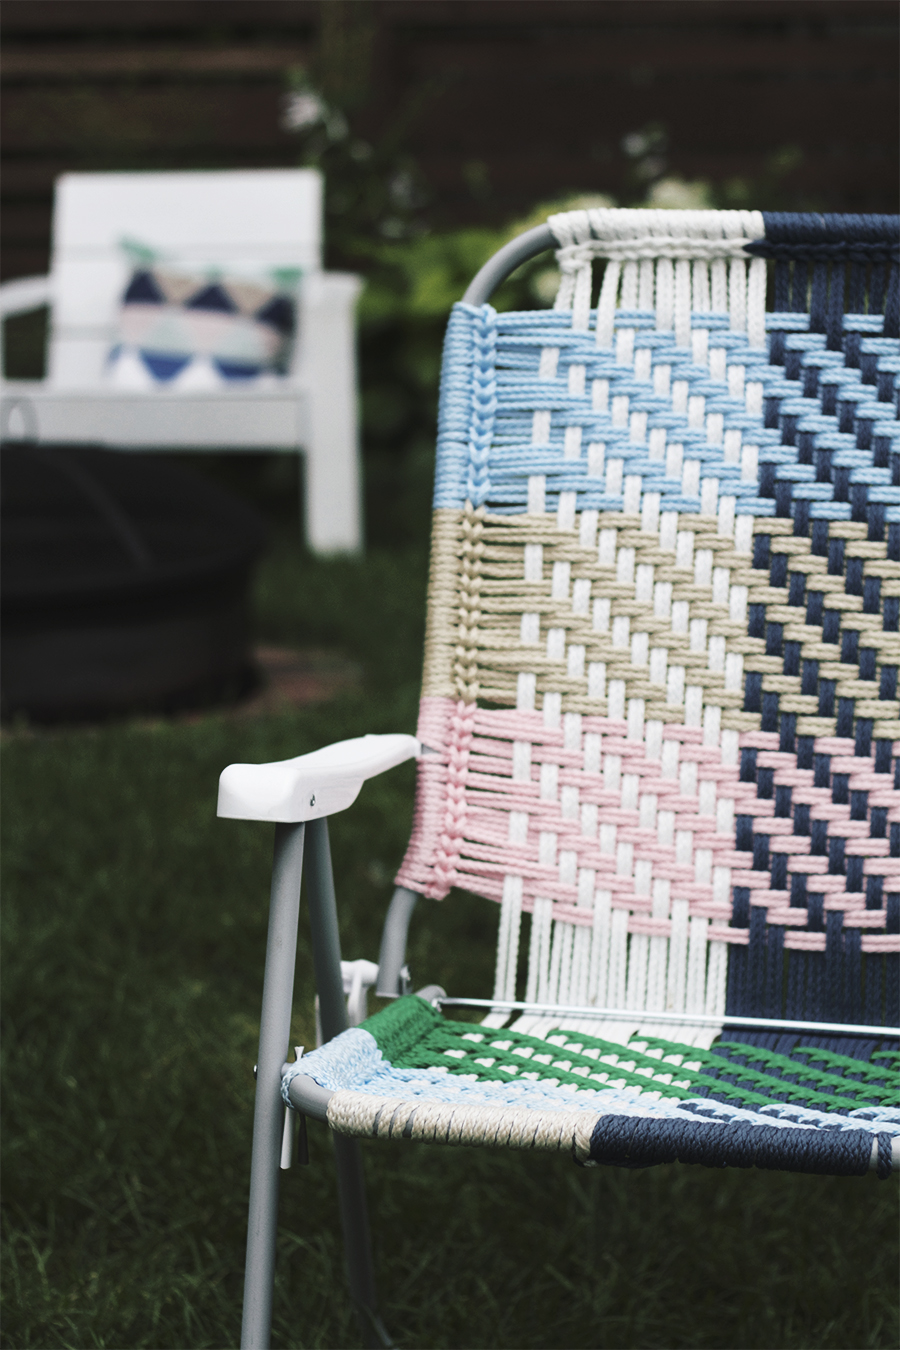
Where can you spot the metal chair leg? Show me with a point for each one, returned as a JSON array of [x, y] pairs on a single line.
[[333, 1011], [268, 1114], [357, 1241]]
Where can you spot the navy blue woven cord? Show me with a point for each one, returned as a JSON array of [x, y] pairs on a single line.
[[833, 246], [633, 1142]]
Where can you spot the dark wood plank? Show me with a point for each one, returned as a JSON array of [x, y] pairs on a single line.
[[531, 98]]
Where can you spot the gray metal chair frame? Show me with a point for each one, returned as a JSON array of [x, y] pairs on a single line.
[[303, 849], [720, 957]]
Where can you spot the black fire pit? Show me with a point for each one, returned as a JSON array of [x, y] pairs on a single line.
[[124, 585]]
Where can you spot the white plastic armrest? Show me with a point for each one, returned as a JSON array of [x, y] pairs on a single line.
[[358, 977], [23, 294], [310, 786]]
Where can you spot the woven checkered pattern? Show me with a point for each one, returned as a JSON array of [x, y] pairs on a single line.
[[663, 638], [660, 686], [410, 1072]]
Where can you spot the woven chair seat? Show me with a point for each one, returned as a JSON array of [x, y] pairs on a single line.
[[411, 1073], [660, 695]]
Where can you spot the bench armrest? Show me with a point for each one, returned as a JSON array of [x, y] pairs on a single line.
[[24, 293]]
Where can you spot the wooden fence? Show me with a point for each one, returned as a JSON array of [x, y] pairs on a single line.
[[508, 103]]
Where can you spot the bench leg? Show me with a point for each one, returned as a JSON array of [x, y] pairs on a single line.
[[333, 478]]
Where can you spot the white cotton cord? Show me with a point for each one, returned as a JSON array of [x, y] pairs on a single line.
[[700, 280], [756, 303], [566, 292], [665, 296], [575, 255], [716, 975], [636, 978], [676, 264], [737, 295], [630, 285], [539, 949], [682, 307], [599, 966], [362, 1116], [508, 939], [606, 306], [707, 248], [645, 284], [581, 299], [718, 286], [572, 230], [696, 972]]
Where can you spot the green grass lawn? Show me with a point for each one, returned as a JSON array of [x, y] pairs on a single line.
[[134, 934]]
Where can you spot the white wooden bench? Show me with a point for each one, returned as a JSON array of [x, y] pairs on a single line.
[[264, 217]]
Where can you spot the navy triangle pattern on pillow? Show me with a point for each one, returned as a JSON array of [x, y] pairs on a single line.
[[195, 332]]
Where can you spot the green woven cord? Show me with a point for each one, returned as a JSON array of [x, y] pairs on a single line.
[[411, 1034]]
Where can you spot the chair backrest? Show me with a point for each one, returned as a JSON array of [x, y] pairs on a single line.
[[662, 643], [254, 217]]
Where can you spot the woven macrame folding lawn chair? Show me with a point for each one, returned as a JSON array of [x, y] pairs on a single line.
[[659, 718]]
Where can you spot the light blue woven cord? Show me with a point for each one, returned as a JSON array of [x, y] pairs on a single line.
[[354, 1061], [451, 469], [483, 398], [491, 391]]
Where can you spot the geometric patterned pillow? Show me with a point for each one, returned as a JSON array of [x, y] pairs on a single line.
[[202, 329]]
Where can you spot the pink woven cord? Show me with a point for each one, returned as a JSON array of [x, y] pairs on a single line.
[[875, 852], [466, 793], [430, 865], [461, 833], [431, 782]]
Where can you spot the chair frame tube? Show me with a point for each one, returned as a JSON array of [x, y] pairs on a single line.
[[392, 956], [268, 1111], [326, 945], [278, 991], [506, 260], [268, 1115]]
